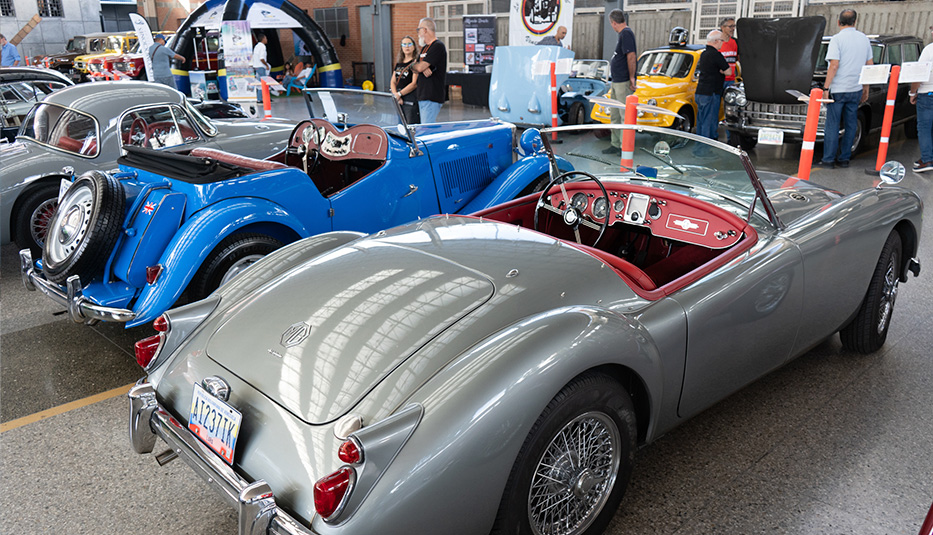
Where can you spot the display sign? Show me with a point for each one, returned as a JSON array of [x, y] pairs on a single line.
[[479, 41], [530, 21], [874, 74], [238, 53], [915, 71], [144, 34]]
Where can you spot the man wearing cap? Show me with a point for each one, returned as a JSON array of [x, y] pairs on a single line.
[[162, 57], [921, 94]]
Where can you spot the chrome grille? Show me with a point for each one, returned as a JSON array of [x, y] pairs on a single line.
[[780, 115]]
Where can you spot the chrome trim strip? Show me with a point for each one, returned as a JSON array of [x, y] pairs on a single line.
[[255, 502], [81, 309]]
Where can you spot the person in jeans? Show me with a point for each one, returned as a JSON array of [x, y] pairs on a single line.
[[162, 57], [260, 65], [848, 51], [921, 94], [432, 70], [713, 69], [622, 69]]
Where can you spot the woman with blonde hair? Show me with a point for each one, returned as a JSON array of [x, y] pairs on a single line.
[[405, 80]]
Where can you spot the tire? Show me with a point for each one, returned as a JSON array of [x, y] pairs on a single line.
[[747, 142], [577, 113], [33, 217], [910, 128], [231, 256], [84, 229], [867, 332], [592, 414], [685, 124]]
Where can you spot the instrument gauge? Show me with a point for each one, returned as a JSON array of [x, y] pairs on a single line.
[[579, 201], [654, 211], [600, 208], [619, 206]]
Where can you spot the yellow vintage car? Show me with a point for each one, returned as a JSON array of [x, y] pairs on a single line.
[[107, 45], [667, 77]]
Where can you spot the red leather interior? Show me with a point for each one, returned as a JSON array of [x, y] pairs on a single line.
[[236, 159]]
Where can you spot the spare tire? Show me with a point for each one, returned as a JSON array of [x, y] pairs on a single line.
[[85, 228]]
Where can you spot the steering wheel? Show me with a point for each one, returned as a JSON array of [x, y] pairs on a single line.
[[140, 125], [570, 215], [315, 156]]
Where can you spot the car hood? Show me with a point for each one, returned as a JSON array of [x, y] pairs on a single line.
[[792, 199], [324, 346], [782, 55]]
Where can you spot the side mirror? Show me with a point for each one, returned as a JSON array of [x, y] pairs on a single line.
[[892, 172]]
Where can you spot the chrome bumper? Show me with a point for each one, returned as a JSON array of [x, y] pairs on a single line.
[[81, 309], [256, 509]]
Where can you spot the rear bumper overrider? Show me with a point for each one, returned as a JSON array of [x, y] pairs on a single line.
[[257, 511], [81, 309]]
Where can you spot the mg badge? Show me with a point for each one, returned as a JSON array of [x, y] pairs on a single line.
[[295, 334]]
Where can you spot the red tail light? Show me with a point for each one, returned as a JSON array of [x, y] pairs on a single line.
[[350, 453], [160, 324], [146, 349], [153, 272], [329, 491]]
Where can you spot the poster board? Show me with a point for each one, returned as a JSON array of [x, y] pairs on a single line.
[[238, 53], [479, 41], [530, 21]]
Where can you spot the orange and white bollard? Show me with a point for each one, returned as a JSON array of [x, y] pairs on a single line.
[[888, 117], [266, 101], [809, 134], [628, 135], [553, 99]]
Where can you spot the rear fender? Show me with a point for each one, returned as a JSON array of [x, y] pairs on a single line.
[[512, 181], [196, 238], [479, 409]]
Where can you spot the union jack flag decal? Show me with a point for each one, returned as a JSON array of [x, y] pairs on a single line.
[[149, 208]]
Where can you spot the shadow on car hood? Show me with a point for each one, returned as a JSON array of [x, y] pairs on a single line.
[[317, 341], [777, 55]]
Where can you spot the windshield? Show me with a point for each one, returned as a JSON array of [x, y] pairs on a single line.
[[76, 44], [590, 68], [203, 122], [65, 129], [351, 106], [704, 169], [665, 63]]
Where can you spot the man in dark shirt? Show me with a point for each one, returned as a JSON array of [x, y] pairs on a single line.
[[432, 66], [713, 70], [622, 70]]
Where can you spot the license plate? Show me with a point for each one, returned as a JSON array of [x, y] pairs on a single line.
[[214, 422], [62, 188], [771, 136]]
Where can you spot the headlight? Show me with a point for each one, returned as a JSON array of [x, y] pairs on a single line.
[[729, 97], [740, 99], [652, 102]]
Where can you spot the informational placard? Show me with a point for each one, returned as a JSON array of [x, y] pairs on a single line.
[[530, 21], [238, 51], [874, 74], [479, 41], [144, 34], [915, 71]]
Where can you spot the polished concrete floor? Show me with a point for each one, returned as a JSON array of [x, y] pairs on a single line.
[[833, 443]]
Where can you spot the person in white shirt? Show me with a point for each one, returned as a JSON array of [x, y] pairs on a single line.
[[921, 94], [260, 65]]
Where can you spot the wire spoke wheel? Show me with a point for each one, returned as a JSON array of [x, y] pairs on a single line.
[[888, 294], [575, 475]]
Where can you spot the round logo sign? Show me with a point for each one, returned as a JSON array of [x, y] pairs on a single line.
[[539, 16]]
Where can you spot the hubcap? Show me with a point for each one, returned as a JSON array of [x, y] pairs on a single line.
[[888, 295], [70, 225], [575, 475]]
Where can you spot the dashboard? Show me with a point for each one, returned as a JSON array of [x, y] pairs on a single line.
[[665, 214]]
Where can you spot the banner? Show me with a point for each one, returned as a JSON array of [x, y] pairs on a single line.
[[144, 34], [238, 54], [479, 41], [530, 21]]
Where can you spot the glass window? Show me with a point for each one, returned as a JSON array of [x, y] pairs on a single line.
[[6, 8], [50, 8], [334, 20], [76, 44], [670, 64], [68, 130], [877, 52], [157, 127], [894, 55], [911, 52]]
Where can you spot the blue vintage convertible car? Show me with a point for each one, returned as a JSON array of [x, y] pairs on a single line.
[[125, 245]]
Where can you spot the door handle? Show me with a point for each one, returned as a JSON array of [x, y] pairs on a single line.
[[411, 189], [453, 146], [262, 127]]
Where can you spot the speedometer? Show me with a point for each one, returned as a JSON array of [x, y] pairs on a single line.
[[579, 202], [600, 208]]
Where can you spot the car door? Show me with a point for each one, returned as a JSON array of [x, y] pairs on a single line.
[[399, 191], [742, 321]]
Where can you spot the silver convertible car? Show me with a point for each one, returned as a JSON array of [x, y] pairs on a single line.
[[84, 127], [495, 372]]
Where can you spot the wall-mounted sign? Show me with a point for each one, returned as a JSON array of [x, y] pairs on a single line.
[[479, 41]]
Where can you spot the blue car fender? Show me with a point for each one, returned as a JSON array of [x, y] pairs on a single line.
[[513, 181], [195, 240], [480, 408]]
